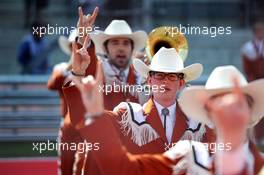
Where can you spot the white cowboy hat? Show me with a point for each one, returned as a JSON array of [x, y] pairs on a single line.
[[65, 42], [169, 61], [118, 28], [220, 81]]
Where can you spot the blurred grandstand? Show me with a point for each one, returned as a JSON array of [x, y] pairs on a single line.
[[142, 15]]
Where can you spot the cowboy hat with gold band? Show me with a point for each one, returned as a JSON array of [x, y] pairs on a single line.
[[168, 61], [118, 28], [219, 82]]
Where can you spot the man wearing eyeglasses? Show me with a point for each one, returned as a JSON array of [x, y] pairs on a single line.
[[225, 101], [159, 123]]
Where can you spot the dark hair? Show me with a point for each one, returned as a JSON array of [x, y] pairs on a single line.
[[106, 42]]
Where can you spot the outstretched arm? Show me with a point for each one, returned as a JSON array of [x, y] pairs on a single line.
[[113, 158], [58, 76]]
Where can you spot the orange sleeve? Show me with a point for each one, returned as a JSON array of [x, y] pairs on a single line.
[[113, 158], [75, 105], [92, 67], [56, 81], [73, 95], [210, 136]]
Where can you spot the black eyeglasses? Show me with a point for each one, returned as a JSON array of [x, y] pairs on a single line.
[[171, 76]]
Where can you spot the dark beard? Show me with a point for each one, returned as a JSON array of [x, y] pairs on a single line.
[[111, 61]]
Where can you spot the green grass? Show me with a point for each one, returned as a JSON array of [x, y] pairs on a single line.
[[23, 149]]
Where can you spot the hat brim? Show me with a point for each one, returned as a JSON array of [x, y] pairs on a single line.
[[191, 72], [139, 38], [192, 106], [64, 45]]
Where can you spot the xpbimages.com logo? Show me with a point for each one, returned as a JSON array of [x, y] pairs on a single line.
[[132, 89], [212, 147], [212, 31], [63, 30], [57, 146]]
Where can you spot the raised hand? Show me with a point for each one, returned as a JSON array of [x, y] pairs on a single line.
[[230, 113], [80, 57], [91, 92], [86, 22]]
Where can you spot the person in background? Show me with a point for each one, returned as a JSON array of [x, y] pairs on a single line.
[[68, 164], [33, 53], [253, 53], [253, 64], [114, 47]]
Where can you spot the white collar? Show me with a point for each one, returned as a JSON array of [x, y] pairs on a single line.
[[110, 70], [126, 70], [171, 108]]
